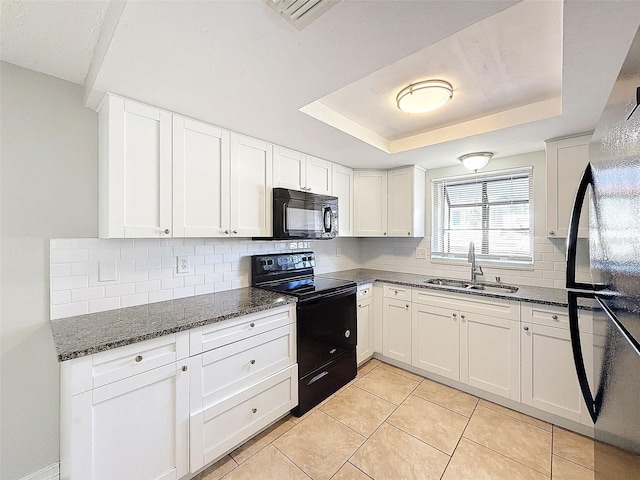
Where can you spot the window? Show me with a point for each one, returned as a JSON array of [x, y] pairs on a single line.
[[494, 210]]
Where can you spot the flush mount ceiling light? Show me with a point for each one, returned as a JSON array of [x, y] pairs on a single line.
[[421, 97], [476, 161]]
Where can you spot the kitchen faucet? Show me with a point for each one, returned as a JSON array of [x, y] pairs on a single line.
[[475, 269]]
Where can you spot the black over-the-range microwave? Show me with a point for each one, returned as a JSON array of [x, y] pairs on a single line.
[[299, 214]]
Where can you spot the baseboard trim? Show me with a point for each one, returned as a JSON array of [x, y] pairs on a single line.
[[52, 472]]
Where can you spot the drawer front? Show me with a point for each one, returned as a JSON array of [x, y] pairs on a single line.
[[493, 307], [397, 291], [558, 317], [365, 291], [225, 371], [225, 332], [123, 362], [229, 423]]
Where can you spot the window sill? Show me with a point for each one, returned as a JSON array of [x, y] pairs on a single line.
[[524, 267]]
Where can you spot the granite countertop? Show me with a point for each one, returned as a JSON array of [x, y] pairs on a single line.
[[546, 296], [87, 334]]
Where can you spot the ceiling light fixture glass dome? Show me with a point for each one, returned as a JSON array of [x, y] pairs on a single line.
[[475, 161], [424, 96]]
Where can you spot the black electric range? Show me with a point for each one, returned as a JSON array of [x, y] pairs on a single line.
[[325, 319]]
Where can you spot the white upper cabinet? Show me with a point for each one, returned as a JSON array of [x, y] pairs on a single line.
[[297, 171], [406, 202], [343, 189], [135, 181], [389, 203], [370, 203], [566, 160], [200, 179], [251, 186]]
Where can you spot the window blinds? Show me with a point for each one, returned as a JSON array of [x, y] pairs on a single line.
[[494, 210]]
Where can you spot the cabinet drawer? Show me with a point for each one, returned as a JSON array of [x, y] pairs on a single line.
[[123, 362], [494, 307], [551, 316], [223, 426], [225, 332], [397, 291], [224, 371], [365, 291]]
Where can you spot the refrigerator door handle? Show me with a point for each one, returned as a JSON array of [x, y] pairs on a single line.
[[572, 238], [578, 358]]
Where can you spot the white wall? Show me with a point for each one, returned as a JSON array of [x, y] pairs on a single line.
[[48, 189]]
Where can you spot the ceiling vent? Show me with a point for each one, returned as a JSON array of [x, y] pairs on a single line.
[[301, 13]]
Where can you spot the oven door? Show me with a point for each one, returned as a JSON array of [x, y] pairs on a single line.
[[326, 328]]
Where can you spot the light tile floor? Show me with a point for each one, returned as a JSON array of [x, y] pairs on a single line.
[[392, 424]]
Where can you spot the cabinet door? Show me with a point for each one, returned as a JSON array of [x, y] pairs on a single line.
[[343, 189], [490, 354], [396, 329], [133, 428], [370, 203], [135, 170], [435, 340], [318, 176], [364, 348], [400, 202], [289, 168], [251, 187], [549, 380], [566, 160], [200, 179]]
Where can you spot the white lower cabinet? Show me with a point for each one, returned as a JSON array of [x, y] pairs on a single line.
[[549, 379], [134, 426], [490, 354], [364, 348], [396, 323], [435, 340], [244, 379], [148, 411]]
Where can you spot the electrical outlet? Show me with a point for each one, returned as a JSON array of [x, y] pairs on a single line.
[[421, 253], [183, 264]]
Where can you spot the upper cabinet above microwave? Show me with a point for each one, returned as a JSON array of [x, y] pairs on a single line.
[[566, 160], [163, 175], [298, 171]]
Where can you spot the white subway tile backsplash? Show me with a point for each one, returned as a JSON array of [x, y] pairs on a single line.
[[133, 253], [78, 243], [159, 273], [126, 265], [231, 257], [147, 242], [222, 267], [82, 294], [69, 283], [213, 277], [184, 292], [212, 259], [196, 260], [150, 286], [222, 286], [204, 289], [60, 270], [69, 255], [160, 296], [184, 250], [133, 300], [160, 252], [202, 269], [108, 254], [104, 304], [194, 280], [148, 263], [135, 276], [222, 248], [171, 283], [205, 250], [84, 268], [69, 310], [120, 290], [60, 297]]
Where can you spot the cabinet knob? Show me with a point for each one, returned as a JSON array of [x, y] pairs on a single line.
[[384, 233], [409, 233], [138, 358], [555, 317], [407, 306], [226, 232], [462, 316], [552, 233], [254, 410], [252, 324], [359, 305], [455, 315], [526, 329], [184, 368], [235, 232], [167, 231], [252, 362]]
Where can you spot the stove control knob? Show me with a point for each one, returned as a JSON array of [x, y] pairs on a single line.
[[347, 334], [263, 263]]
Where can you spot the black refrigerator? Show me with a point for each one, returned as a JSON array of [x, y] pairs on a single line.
[[611, 187]]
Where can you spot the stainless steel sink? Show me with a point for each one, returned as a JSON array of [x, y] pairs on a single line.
[[464, 285]]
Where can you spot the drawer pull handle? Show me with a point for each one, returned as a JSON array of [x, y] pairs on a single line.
[[185, 368], [139, 358], [252, 324], [461, 316], [332, 351], [359, 306], [526, 329], [555, 317], [396, 292], [252, 362], [254, 410]]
